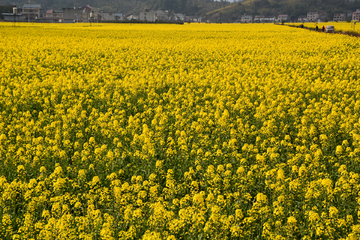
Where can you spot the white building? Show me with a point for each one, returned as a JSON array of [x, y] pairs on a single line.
[[269, 19], [283, 17], [147, 15], [107, 16], [259, 18], [246, 19], [161, 15], [312, 16], [32, 11], [264, 19], [179, 17]]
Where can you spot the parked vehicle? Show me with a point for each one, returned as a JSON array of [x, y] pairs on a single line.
[[329, 29]]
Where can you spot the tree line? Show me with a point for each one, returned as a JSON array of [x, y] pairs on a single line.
[[188, 7]]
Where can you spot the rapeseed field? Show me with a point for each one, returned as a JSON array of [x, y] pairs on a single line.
[[195, 131], [343, 27]]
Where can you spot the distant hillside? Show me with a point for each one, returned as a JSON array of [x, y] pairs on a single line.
[[293, 8], [212, 10], [189, 7]]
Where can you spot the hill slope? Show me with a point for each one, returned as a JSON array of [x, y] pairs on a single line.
[[293, 8], [189, 7]]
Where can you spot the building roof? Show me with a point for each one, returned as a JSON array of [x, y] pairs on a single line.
[[87, 6], [32, 6], [11, 14]]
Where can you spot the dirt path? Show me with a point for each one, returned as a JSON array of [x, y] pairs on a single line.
[[354, 34]]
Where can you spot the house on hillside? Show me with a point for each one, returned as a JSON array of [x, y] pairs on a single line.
[[259, 18], [356, 15], [53, 16], [147, 15], [191, 18], [179, 17], [32, 11], [283, 18], [348, 16], [339, 17], [302, 18], [106, 16], [264, 19], [269, 19], [246, 19], [80, 14], [161, 15], [312, 16], [72, 15], [86, 11]]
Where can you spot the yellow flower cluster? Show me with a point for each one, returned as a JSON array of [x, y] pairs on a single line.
[[195, 131], [339, 26]]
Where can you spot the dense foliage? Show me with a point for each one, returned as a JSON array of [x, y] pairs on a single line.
[[178, 132], [188, 7], [214, 11]]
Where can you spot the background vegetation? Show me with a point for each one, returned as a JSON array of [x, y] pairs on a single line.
[[190, 7], [213, 10], [275, 7]]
